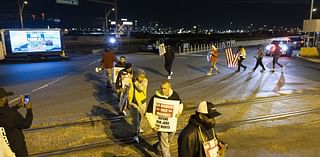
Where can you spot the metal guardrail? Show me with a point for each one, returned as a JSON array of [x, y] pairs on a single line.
[[194, 48]]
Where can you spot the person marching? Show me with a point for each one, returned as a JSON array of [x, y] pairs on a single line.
[[242, 56], [213, 60], [139, 102], [121, 62], [169, 57], [194, 138], [107, 61], [165, 92], [259, 58], [276, 55], [123, 87]]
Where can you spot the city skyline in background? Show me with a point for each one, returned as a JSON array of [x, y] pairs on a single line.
[[216, 14]]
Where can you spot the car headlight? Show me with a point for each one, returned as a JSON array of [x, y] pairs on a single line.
[[284, 47], [268, 48]]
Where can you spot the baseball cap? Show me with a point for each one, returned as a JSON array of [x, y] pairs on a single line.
[[4, 93], [207, 108], [127, 65]]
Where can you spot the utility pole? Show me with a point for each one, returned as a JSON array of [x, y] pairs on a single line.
[[116, 16]]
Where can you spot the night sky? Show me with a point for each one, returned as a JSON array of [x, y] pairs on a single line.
[[175, 13]]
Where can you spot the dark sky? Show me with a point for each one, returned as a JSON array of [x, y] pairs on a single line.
[[174, 13]]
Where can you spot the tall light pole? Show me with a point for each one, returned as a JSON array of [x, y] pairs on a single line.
[[106, 18], [21, 11], [311, 9], [116, 16]]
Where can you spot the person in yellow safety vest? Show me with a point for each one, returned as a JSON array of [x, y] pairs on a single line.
[[242, 56], [213, 58]]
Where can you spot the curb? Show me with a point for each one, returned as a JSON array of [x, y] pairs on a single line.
[[308, 59]]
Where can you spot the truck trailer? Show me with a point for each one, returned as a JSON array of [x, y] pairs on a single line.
[[31, 44]]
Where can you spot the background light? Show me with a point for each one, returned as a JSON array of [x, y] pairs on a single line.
[[112, 40]]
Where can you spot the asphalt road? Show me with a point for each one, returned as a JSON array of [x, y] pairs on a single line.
[[68, 90], [72, 87]]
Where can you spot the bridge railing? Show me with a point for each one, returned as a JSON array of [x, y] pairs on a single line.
[[194, 48]]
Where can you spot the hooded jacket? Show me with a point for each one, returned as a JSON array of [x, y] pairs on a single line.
[[13, 123], [172, 96], [139, 89], [190, 143]]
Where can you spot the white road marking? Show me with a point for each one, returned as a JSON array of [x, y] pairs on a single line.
[[54, 81]]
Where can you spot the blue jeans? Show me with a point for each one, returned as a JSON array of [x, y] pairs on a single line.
[[165, 138]]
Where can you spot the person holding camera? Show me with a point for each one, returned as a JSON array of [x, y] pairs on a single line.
[[13, 122]]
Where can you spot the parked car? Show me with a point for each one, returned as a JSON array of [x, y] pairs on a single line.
[[296, 42], [286, 48], [150, 47]]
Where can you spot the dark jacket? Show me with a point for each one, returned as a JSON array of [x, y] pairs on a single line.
[[119, 77], [169, 55], [13, 123], [173, 96], [119, 64], [189, 140]]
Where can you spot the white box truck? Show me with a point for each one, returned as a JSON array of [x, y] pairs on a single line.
[[31, 44]]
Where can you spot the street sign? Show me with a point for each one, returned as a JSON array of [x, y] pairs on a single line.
[[69, 2], [121, 29]]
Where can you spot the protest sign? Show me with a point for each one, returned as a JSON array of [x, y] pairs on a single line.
[[211, 148], [116, 71], [165, 112], [162, 49]]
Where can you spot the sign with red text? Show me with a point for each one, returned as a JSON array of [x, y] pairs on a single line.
[[165, 112]]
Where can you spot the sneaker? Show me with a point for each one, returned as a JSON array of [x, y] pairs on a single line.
[[156, 148], [273, 70], [124, 113], [262, 71], [245, 68], [237, 71], [169, 77], [217, 72], [136, 139], [209, 74], [171, 73]]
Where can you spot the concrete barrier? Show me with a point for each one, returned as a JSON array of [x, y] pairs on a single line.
[[309, 52]]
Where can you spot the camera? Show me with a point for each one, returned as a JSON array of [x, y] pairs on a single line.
[[26, 100]]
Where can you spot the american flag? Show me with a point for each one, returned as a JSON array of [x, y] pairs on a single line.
[[232, 59]]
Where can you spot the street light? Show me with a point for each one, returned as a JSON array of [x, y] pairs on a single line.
[[21, 10], [106, 29], [311, 9]]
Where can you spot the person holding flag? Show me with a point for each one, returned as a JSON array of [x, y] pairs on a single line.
[[213, 58]]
